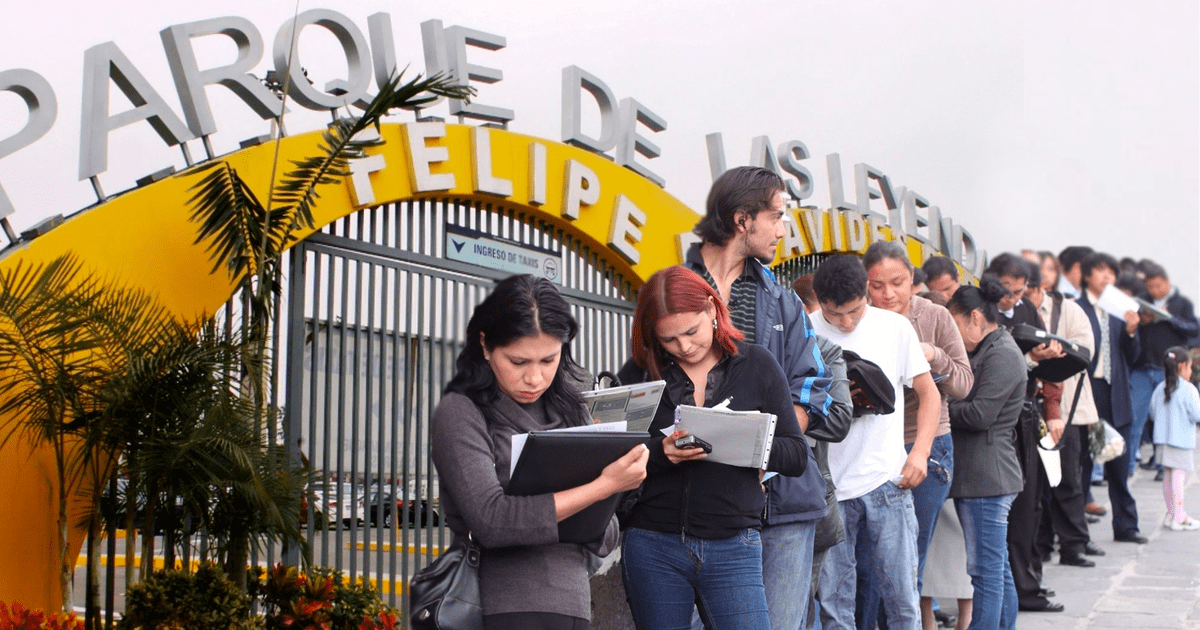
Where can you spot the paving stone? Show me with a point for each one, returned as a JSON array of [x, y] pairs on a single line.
[[1133, 622], [1159, 581], [1152, 606]]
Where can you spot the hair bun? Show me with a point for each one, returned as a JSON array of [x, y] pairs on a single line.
[[992, 290]]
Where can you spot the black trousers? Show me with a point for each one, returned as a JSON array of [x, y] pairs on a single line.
[[1023, 520], [1062, 505]]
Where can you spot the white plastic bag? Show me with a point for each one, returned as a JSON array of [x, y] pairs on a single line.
[[1108, 447]]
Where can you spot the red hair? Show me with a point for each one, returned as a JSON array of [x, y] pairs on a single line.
[[672, 291]]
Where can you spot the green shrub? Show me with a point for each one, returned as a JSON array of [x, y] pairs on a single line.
[[178, 600]]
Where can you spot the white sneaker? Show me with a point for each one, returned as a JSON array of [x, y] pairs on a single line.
[[1168, 520], [1187, 525]]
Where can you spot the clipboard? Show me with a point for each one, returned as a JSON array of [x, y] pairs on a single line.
[[558, 460], [1156, 314], [634, 404], [738, 438]]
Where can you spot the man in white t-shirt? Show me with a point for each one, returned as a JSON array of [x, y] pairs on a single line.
[[873, 473]]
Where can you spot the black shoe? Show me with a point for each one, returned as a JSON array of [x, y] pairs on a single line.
[[1045, 593], [1098, 482], [1047, 606], [1093, 519], [1075, 560], [1092, 549], [1132, 538], [1158, 476], [944, 619], [1148, 465]]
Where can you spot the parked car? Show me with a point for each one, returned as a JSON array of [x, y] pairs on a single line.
[[320, 510], [113, 510], [382, 508], [343, 504]]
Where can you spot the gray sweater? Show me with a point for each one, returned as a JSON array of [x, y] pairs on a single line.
[[524, 567]]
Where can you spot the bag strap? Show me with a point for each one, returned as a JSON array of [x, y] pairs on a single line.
[[1075, 402], [1055, 313], [1070, 416]]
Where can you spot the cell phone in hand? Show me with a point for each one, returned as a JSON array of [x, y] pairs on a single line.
[[691, 441]]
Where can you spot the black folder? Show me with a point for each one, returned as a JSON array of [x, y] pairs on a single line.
[[559, 460], [1075, 360]]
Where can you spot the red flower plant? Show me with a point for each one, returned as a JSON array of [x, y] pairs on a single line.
[[21, 618]]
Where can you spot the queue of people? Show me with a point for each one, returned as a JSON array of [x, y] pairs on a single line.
[[868, 508]]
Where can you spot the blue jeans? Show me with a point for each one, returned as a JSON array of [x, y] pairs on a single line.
[[1142, 382], [666, 574], [985, 529], [883, 524], [787, 552], [927, 503]]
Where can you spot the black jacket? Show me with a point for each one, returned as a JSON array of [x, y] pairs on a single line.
[[1158, 337], [711, 500], [984, 423]]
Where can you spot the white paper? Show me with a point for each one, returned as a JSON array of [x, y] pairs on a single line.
[[519, 439], [1051, 461], [1114, 301]]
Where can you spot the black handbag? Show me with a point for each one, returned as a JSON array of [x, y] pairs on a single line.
[[445, 594]]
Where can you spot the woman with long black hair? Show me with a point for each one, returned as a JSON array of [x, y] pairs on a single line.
[[987, 471], [514, 376]]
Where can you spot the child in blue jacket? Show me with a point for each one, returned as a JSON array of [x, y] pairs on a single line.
[[1175, 409]]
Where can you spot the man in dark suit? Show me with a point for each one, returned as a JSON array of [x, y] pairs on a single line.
[[1117, 347]]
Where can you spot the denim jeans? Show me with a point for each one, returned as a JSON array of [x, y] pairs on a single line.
[[927, 503], [1142, 382], [666, 574], [787, 552], [985, 530], [884, 524]]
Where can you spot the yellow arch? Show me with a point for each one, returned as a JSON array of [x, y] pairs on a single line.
[[144, 239]]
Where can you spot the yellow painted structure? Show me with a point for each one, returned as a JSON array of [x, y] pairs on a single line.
[[144, 239]]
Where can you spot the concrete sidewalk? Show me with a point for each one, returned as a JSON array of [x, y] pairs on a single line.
[[1133, 587]]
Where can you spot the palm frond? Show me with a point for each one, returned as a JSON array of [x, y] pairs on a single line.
[[49, 369], [231, 219]]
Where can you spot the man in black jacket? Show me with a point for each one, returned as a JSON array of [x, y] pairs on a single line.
[[1157, 337]]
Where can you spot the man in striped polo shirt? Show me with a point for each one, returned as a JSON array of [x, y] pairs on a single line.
[[739, 233]]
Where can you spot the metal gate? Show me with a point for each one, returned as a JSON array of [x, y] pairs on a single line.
[[375, 319]]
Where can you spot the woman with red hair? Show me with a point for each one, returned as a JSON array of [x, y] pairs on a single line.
[[693, 535]]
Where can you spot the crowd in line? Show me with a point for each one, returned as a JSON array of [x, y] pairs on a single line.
[[868, 509]]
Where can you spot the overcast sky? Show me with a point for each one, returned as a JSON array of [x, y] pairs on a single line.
[[1033, 124]]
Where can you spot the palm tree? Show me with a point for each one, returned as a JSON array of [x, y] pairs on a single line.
[[50, 373], [247, 239], [94, 372]]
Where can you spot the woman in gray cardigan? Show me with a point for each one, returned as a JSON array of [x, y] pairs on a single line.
[[514, 376], [987, 473]]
